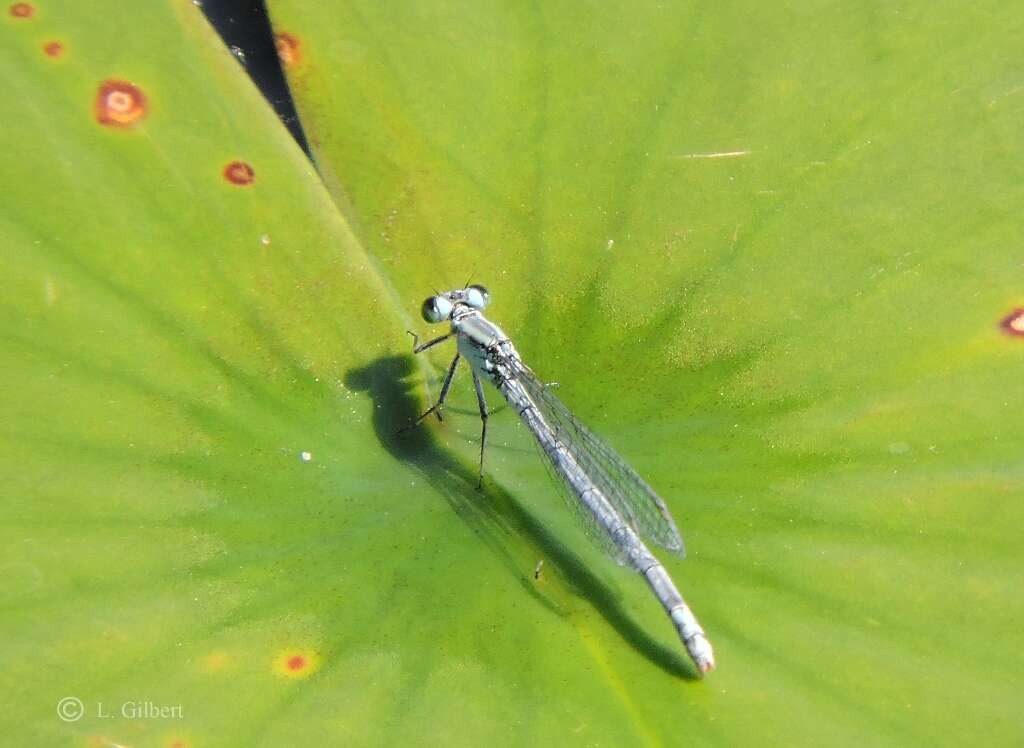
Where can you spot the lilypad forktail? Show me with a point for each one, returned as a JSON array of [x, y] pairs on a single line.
[[614, 503]]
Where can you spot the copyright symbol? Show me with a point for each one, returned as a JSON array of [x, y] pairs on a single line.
[[70, 709]]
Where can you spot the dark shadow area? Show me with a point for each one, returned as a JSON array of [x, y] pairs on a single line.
[[493, 514], [245, 28]]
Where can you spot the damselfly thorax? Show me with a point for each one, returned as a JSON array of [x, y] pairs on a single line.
[[483, 344]]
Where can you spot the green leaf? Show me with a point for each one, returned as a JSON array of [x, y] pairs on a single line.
[[767, 250], [172, 343]]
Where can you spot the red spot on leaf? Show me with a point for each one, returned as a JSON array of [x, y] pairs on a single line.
[[53, 49], [288, 49], [120, 104], [22, 10], [294, 663], [1013, 323], [239, 172]]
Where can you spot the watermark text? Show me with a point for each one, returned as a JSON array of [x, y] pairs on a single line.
[[72, 709]]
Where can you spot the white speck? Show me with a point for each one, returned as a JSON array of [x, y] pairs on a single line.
[[265, 240], [306, 456], [718, 154], [611, 243], [237, 52]]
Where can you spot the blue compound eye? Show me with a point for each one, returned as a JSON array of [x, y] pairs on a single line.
[[436, 309], [478, 297]]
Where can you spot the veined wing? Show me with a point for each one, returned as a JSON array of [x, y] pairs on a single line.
[[636, 501]]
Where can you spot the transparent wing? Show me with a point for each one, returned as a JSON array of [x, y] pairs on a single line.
[[591, 527], [636, 501]]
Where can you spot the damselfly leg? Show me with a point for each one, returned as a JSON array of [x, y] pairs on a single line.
[[436, 407], [483, 420], [429, 344]]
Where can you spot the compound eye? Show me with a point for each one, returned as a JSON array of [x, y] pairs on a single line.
[[436, 309], [477, 296]]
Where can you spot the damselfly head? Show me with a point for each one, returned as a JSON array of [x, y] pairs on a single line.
[[439, 308]]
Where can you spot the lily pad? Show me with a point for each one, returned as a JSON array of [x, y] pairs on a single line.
[[771, 253], [176, 328]]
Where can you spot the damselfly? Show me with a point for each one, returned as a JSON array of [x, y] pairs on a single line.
[[615, 503]]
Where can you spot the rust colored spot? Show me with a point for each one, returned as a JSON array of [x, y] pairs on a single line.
[[53, 49], [22, 10], [120, 104], [288, 50], [296, 663], [1014, 322], [239, 172]]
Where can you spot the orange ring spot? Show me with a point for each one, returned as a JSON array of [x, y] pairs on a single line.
[[53, 49], [240, 173], [120, 104], [1013, 324], [22, 10], [288, 49]]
